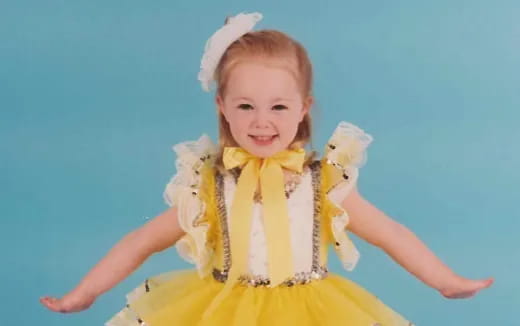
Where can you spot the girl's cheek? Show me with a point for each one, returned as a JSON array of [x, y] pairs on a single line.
[[237, 115], [281, 114], [242, 121], [243, 114]]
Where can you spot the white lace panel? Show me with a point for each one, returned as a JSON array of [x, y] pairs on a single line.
[[301, 208]]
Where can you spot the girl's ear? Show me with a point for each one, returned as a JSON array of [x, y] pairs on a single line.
[[307, 105], [220, 104]]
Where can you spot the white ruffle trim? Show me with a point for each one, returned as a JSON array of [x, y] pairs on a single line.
[[347, 146], [125, 317], [346, 150], [182, 191], [218, 43]]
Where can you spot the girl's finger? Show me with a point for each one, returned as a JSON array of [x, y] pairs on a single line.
[[52, 303], [45, 300], [490, 281], [484, 284]]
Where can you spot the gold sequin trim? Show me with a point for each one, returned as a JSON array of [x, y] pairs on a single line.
[[257, 280]]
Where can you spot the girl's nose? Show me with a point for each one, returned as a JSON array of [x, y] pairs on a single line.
[[261, 118]]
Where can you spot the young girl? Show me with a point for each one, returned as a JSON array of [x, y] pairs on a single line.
[[257, 213]]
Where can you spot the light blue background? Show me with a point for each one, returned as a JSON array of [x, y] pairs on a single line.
[[93, 94]]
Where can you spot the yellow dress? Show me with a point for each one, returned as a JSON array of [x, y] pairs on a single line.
[[203, 192]]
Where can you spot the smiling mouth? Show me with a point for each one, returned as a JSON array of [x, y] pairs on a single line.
[[263, 137], [263, 140]]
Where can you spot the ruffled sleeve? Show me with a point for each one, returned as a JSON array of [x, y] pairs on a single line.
[[190, 190], [344, 155]]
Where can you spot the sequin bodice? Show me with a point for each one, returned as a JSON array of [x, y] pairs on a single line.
[[307, 243]]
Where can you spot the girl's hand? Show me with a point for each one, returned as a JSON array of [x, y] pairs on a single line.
[[71, 302], [466, 288]]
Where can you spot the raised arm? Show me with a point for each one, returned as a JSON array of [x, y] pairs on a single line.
[[372, 225], [127, 255]]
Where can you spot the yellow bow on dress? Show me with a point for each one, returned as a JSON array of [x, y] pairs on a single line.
[[275, 213]]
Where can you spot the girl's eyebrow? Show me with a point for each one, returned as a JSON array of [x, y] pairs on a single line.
[[282, 99], [241, 98]]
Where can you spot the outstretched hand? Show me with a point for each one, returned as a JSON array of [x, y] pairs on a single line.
[[466, 288], [69, 303]]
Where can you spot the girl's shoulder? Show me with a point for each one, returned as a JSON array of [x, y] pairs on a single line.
[[195, 153], [344, 154], [347, 145], [194, 162], [190, 189]]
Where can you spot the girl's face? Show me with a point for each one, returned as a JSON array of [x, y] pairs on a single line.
[[263, 106]]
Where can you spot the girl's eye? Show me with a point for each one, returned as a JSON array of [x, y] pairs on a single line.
[[245, 106], [279, 107]]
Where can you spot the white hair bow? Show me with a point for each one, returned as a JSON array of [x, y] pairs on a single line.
[[220, 41]]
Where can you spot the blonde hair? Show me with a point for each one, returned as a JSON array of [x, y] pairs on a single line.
[[268, 44]]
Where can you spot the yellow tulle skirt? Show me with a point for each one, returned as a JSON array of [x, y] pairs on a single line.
[[179, 298]]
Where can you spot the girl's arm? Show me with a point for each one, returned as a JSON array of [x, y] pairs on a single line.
[[128, 254], [405, 248]]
